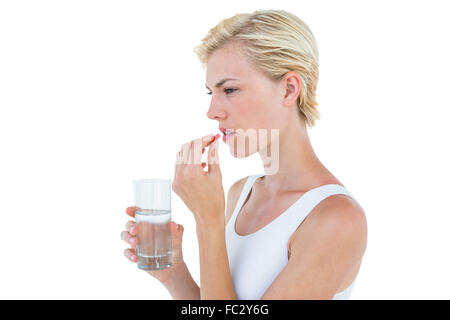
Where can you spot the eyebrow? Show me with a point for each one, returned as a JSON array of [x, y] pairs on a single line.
[[221, 82]]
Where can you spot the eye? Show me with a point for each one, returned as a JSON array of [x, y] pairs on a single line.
[[226, 91]]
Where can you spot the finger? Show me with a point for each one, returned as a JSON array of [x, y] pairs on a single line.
[[208, 139], [131, 227], [205, 141], [192, 152], [130, 211], [131, 255], [128, 238], [217, 136], [213, 157], [183, 154], [176, 228], [198, 147]]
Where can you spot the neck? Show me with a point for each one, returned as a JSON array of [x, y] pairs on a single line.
[[298, 166]]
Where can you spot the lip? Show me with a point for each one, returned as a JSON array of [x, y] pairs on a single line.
[[223, 130], [227, 137]]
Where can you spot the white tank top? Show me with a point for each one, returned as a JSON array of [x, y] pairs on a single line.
[[256, 259]]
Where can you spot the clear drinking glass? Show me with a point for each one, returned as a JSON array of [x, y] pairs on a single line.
[[153, 216]]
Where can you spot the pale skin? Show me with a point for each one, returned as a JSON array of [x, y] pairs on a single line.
[[326, 250]]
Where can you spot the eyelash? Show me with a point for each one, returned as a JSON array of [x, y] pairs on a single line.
[[223, 90]]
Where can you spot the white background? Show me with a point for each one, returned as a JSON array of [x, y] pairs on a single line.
[[95, 94]]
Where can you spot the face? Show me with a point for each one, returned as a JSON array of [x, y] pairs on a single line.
[[252, 104]]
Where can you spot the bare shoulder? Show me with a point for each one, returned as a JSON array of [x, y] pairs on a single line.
[[233, 196], [340, 207], [336, 218], [326, 253]]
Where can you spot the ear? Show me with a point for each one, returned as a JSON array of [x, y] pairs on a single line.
[[292, 84]]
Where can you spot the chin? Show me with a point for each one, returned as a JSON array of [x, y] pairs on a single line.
[[239, 156], [241, 149]]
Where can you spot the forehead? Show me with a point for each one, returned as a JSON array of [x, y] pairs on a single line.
[[228, 61]]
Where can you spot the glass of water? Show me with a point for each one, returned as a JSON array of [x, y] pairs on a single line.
[[153, 216]]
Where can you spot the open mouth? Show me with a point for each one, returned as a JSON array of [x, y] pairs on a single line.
[[227, 134]]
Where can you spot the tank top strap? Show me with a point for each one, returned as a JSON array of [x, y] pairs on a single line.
[[300, 209]]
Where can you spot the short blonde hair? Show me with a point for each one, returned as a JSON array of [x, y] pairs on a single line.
[[276, 42]]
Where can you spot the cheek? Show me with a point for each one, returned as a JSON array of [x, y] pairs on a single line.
[[255, 110], [252, 111]]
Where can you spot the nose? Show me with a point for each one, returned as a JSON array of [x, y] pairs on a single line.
[[215, 112]]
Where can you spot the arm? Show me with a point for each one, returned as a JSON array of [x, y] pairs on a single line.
[[216, 282], [182, 286], [215, 275]]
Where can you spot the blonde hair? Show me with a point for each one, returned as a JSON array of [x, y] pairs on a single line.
[[276, 42]]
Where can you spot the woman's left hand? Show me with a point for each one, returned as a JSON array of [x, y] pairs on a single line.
[[201, 191]]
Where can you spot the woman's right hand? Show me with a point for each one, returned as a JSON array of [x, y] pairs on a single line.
[[178, 264]]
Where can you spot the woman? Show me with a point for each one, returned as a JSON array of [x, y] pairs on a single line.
[[294, 232]]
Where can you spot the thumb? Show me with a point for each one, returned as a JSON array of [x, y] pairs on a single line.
[[213, 157], [177, 235]]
